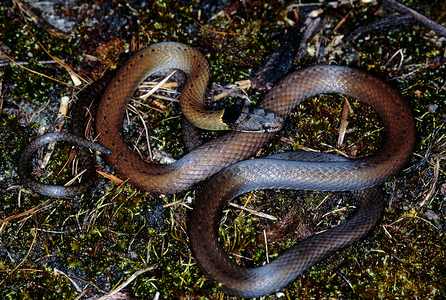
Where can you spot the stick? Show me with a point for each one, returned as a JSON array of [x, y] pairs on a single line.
[[440, 30]]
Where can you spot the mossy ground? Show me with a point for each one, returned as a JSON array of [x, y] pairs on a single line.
[[58, 248]]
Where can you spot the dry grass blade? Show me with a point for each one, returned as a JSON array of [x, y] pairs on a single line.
[[132, 108], [23, 260], [157, 86], [346, 110], [254, 212], [131, 278], [26, 213], [433, 184]]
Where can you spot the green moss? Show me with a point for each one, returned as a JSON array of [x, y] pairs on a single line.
[[104, 238]]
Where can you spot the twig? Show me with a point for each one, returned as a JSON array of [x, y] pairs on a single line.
[[257, 213], [440, 30], [25, 213], [42, 62], [213, 31], [28, 14], [35, 72], [380, 25], [266, 246], [343, 20]]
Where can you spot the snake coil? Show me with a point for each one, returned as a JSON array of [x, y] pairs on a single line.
[[323, 173]]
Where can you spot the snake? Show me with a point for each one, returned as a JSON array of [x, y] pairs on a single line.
[[227, 154]]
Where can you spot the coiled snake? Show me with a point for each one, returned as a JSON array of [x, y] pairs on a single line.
[[312, 172]]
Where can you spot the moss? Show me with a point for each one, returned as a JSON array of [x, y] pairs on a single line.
[[106, 237]]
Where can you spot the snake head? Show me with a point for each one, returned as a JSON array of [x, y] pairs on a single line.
[[250, 119]]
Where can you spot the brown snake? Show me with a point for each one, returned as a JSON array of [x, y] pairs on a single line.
[[315, 172]]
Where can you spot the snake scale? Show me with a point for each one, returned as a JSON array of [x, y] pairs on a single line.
[[285, 171]]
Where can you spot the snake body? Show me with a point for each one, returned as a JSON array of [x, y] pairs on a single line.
[[196, 165], [242, 177], [325, 174], [312, 172]]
